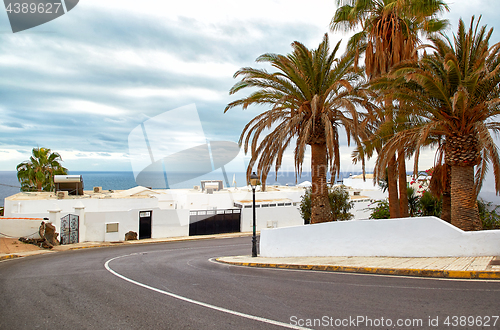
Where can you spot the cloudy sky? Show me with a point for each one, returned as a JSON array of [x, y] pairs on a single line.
[[82, 83]]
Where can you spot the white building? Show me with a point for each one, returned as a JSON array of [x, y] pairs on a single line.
[[363, 192], [107, 215]]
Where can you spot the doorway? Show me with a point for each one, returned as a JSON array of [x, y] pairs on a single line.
[[145, 224]]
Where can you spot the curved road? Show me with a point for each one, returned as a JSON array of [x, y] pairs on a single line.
[[176, 285]]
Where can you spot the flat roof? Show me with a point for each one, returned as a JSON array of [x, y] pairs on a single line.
[[360, 176], [139, 192]]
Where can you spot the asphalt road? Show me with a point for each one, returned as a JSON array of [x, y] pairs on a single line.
[[176, 286]]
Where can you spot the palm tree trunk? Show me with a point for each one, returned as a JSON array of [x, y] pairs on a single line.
[[392, 180], [464, 212], [320, 203], [446, 208], [403, 193], [392, 187]]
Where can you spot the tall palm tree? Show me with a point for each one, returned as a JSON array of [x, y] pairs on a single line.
[[389, 34], [37, 174], [311, 95], [455, 94]]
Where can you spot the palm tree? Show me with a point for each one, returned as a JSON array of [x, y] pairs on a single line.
[[455, 93], [389, 35], [311, 95], [37, 174]]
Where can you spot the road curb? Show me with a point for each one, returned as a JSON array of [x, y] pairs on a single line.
[[125, 243], [8, 256], [437, 273], [139, 242]]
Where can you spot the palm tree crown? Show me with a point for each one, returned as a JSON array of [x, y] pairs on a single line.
[[389, 34], [37, 174], [454, 94], [389, 28], [312, 93]]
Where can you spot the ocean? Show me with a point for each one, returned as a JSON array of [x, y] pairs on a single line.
[[9, 185]]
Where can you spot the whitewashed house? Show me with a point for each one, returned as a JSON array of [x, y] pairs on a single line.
[[107, 215]]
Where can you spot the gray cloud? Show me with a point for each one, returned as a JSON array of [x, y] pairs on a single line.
[[76, 64], [78, 86], [13, 124]]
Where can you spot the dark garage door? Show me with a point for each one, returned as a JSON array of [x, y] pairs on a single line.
[[208, 222]]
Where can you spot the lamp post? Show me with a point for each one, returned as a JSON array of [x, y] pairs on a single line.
[[253, 183]]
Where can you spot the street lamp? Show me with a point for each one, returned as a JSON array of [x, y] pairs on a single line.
[[253, 183]]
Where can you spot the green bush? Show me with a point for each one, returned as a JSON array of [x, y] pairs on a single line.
[[339, 201], [490, 219], [381, 210], [430, 205], [413, 202]]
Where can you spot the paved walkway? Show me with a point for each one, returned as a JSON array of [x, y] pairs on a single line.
[[463, 267], [448, 267]]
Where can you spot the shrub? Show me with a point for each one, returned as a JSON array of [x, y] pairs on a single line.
[[339, 201], [381, 210], [490, 219], [413, 202], [430, 205], [426, 205]]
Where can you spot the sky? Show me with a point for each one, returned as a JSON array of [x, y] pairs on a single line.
[[84, 82]]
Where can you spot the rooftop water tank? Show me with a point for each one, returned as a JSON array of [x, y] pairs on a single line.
[[73, 184]]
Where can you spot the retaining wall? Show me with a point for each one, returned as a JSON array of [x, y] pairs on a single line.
[[406, 237], [20, 227]]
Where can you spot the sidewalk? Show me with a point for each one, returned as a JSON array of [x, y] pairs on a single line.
[[446, 267]]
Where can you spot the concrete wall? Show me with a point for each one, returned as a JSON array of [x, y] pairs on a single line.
[[170, 212], [282, 216], [223, 200], [361, 211], [20, 227], [360, 184], [164, 223], [183, 199], [407, 237], [27, 207]]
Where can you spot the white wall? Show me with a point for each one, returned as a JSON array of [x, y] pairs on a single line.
[[285, 216], [67, 205], [225, 199], [360, 210], [407, 237], [202, 201], [164, 223], [20, 227], [360, 184], [184, 200], [170, 223]]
